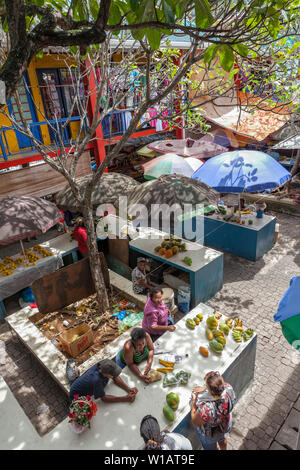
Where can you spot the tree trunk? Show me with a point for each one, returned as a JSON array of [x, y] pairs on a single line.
[[95, 263], [293, 170]]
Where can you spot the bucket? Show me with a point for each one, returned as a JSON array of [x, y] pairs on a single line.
[[168, 298], [184, 297]]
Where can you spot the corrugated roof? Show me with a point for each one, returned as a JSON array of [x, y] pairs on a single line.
[[291, 143]]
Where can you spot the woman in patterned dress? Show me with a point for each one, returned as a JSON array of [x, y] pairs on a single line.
[[211, 411]]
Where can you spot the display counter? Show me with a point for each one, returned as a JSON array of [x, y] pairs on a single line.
[[116, 425]]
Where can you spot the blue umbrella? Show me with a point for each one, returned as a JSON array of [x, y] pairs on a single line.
[[242, 170]]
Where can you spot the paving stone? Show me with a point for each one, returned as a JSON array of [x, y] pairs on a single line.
[[287, 437], [276, 446]]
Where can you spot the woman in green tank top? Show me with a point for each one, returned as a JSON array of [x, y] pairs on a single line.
[[136, 350]]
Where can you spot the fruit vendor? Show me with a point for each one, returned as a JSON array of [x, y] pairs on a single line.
[[155, 439], [80, 235], [95, 379], [136, 350], [157, 318], [140, 283], [211, 411]]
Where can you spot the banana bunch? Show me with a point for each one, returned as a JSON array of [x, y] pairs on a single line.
[[237, 336], [248, 334], [238, 322], [229, 322], [217, 315]]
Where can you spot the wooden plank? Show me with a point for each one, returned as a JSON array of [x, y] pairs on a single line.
[[67, 285], [39, 180]]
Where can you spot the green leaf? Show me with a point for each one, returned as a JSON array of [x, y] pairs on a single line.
[[154, 38], [169, 13], [210, 53], [115, 15], [242, 49], [73, 49], [226, 57], [203, 14], [40, 54], [134, 4]]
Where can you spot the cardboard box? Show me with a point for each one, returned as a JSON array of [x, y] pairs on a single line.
[[84, 340]]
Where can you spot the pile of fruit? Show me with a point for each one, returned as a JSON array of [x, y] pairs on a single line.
[[216, 332], [170, 246], [172, 400], [168, 366], [42, 251]]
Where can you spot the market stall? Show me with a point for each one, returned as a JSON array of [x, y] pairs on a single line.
[[244, 235], [17, 274], [116, 425], [203, 265]]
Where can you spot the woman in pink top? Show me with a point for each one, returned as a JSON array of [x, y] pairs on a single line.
[[157, 317]]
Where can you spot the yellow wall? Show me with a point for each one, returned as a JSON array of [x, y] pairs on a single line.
[[48, 61]]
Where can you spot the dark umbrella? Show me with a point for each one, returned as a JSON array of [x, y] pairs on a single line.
[[107, 191], [22, 217], [171, 190]]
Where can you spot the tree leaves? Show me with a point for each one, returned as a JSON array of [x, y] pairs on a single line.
[[203, 14], [226, 57]]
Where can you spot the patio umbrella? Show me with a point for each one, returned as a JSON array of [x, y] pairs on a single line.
[[202, 148], [107, 191], [242, 170], [172, 189], [288, 313], [22, 217], [170, 163]]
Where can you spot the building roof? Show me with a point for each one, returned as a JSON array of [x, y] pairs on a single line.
[[291, 143]]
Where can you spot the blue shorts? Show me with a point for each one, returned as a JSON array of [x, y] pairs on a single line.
[[210, 443], [120, 363]]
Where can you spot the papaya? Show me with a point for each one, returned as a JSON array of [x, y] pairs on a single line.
[[162, 251], [212, 323], [203, 351], [225, 328], [200, 316], [216, 346], [190, 323], [169, 253], [168, 413], [221, 340], [209, 334], [217, 333], [172, 400], [196, 320]]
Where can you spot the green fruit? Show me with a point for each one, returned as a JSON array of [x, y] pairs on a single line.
[[225, 328], [209, 334], [190, 323], [216, 346], [221, 340], [200, 316], [173, 400], [217, 333], [212, 323], [168, 413]]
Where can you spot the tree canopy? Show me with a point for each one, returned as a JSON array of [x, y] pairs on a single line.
[[223, 28]]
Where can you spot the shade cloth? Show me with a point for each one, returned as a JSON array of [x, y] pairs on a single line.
[[22, 217], [203, 148]]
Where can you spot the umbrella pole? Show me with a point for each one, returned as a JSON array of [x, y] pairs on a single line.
[[22, 248]]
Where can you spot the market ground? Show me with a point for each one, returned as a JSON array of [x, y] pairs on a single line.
[[268, 414]]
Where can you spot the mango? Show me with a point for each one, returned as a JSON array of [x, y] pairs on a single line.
[[209, 334], [168, 413], [190, 323], [173, 400], [203, 351]]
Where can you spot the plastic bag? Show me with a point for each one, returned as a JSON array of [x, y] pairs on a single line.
[[183, 377], [154, 376], [131, 320], [170, 379]]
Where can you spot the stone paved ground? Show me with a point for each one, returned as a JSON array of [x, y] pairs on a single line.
[[267, 414]]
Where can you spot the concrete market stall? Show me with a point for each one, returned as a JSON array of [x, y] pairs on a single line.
[[247, 241], [205, 273], [116, 425]]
